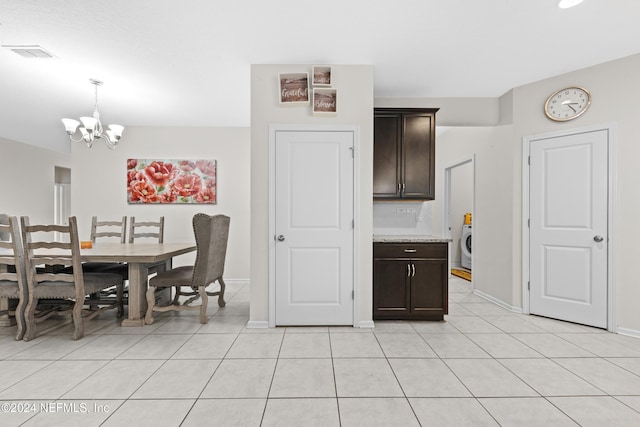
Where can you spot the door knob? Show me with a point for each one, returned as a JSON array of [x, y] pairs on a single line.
[[281, 238], [598, 239]]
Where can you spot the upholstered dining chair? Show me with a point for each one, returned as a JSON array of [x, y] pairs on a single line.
[[62, 290], [151, 229], [211, 234], [13, 283]]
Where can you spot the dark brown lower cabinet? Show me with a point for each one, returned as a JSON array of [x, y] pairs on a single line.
[[410, 281]]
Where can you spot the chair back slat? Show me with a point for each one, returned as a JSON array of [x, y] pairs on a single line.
[[49, 245], [49, 260], [100, 229], [54, 277], [3, 244], [149, 229], [8, 260], [49, 228]]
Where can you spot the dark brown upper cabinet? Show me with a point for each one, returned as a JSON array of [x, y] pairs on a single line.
[[404, 153]]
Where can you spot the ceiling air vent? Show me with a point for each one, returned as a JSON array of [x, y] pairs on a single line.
[[29, 51]]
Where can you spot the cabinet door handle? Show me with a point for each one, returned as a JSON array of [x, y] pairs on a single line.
[[408, 270], [413, 266], [411, 251], [399, 188], [403, 187]]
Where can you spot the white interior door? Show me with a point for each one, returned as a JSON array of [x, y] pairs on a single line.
[[568, 230], [314, 192]]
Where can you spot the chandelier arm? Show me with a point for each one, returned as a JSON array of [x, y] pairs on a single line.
[[111, 144], [81, 139]]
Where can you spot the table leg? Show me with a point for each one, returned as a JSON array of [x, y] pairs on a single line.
[[163, 295], [5, 319], [138, 274]]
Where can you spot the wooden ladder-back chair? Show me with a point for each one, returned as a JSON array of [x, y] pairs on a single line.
[[211, 233], [62, 290], [101, 229], [147, 230], [107, 230], [139, 229], [13, 283]]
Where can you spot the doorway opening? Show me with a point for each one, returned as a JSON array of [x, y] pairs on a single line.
[[459, 204], [61, 197]]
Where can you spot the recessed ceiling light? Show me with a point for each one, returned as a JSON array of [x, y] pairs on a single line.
[[566, 4]]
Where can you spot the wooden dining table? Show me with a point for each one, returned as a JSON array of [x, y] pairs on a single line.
[[140, 257]]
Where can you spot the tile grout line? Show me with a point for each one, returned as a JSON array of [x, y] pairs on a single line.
[[273, 375], [335, 381]]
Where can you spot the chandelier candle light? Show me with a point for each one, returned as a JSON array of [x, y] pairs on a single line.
[[91, 128]]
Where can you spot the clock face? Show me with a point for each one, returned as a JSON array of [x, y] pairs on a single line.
[[567, 104]]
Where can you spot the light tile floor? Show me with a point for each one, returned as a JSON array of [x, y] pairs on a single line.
[[482, 366]]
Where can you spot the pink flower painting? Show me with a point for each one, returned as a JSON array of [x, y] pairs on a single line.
[[171, 181]]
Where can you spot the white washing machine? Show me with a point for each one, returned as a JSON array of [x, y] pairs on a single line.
[[465, 247]]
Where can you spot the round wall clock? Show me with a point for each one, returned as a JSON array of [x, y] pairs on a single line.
[[567, 104]]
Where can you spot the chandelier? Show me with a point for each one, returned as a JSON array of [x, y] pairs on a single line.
[[91, 128]]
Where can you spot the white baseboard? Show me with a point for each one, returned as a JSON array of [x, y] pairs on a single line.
[[498, 302], [257, 324], [236, 281], [364, 324], [622, 331], [628, 332]]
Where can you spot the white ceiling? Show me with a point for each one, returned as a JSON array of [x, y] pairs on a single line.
[[187, 63]]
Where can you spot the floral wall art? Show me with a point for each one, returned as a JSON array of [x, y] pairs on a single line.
[[171, 181]]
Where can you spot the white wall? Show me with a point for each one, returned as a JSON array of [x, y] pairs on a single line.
[[355, 107], [614, 87], [498, 215], [28, 176], [453, 111], [98, 184]]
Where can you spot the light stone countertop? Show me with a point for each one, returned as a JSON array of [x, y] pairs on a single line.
[[409, 238]]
